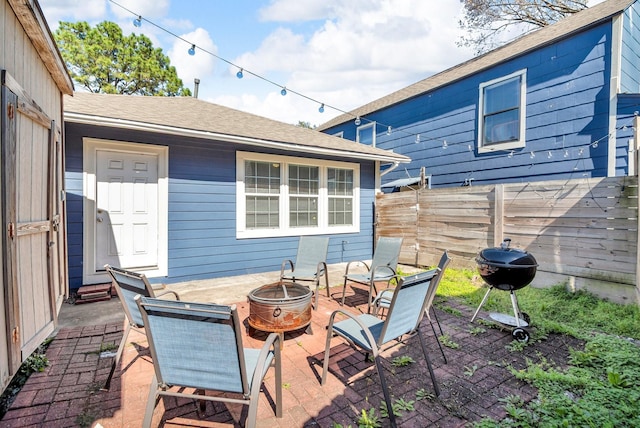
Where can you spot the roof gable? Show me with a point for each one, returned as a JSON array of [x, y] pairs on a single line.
[[534, 40]]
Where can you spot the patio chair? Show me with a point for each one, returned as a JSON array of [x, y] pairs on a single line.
[[383, 267], [310, 264], [198, 347], [128, 284], [373, 335], [383, 300]]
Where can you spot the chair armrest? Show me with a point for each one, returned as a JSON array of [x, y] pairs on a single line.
[[175, 294], [384, 269], [272, 341], [284, 264], [322, 267], [346, 271]]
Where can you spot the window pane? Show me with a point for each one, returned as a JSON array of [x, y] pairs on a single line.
[[502, 96], [340, 211], [304, 180], [262, 177], [303, 211], [262, 212], [502, 127], [340, 182]]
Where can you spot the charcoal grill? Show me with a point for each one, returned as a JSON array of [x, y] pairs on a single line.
[[507, 269]]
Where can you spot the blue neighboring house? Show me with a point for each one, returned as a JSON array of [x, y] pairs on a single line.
[[558, 103], [183, 189]]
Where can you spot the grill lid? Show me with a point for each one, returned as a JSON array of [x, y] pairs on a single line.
[[504, 256]]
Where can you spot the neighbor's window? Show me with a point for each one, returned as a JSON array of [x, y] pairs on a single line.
[[283, 196], [501, 121], [366, 134]]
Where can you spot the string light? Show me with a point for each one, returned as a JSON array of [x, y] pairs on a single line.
[[532, 155], [137, 22], [549, 155], [510, 155]]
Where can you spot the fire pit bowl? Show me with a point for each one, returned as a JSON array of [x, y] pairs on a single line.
[[280, 307], [506, 268]]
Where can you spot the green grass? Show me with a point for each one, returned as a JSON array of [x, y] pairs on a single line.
[[601, 385]]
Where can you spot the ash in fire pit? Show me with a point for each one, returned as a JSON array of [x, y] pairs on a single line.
[[280, 307]]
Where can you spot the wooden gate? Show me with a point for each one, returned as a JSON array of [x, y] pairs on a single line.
[[31, 152]]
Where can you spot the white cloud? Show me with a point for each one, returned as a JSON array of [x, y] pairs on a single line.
[[359, 51], [72, 10], [146, 8]]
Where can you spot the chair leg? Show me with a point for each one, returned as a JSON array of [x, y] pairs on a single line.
[[152, 402], [429, 366], [116, 360], [344, 289], [435, 315], [385, 391], [438, 340]]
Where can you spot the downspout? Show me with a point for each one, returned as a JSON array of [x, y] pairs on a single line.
[[614, 89], [391, 168]]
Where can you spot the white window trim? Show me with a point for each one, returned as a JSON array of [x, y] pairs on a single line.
[[339, 134], [510, 145], [284, 230], [364, 128]]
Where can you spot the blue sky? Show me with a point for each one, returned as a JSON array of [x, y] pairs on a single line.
[[341, 53]]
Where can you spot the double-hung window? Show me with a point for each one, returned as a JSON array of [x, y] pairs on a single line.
[[366, 134], [501, 121], [284, 196]]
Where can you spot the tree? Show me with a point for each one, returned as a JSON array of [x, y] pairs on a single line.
[[486, 20], [103, 60]]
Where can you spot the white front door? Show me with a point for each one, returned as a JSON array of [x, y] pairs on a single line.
[[125, 193], [126, 210]]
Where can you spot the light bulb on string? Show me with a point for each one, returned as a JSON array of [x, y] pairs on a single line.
[[137, 22], [192, 50], [532, 155], [240, 74], [321, 109], [389, 130], [510, 155], [566, 153], [357, 121], [549, 155], [444, 144], [283, 92], [595, 145], [417, 138]]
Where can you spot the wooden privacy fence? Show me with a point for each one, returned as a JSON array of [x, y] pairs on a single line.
[[582, 232]]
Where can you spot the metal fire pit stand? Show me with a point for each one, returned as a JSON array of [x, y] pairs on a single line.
[[519, 321]]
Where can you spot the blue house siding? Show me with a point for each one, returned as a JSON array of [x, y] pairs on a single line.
[[202, 240], [630, 61], [628, 110], [567, 117]]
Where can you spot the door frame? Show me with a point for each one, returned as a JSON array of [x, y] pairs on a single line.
[[90, 148]]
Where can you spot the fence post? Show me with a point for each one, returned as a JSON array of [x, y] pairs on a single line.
[[636, 123], [498, 214]]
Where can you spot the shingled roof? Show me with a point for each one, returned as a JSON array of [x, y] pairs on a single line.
[[192, 117], [534, 40]]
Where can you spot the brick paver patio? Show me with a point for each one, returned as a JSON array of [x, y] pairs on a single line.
[[475, 379]]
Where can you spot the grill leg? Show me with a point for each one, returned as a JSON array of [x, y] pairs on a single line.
[[516, 310], [484, 300]]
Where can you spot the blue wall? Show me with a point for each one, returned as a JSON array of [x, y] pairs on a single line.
[[202, 225], [567, 108], [630, 61]]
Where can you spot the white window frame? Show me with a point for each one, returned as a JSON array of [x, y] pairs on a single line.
[[360, 129], [323, 201], [507, 145]]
